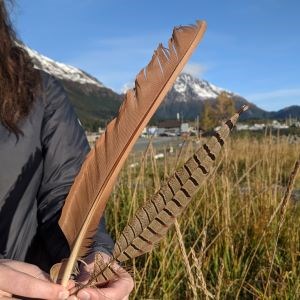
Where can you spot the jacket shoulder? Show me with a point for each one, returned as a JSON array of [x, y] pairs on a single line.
[[53, 92]]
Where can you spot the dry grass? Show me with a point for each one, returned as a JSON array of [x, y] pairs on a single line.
[[239, 238]]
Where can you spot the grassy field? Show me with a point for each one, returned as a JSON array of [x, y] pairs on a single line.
[[238, 239]]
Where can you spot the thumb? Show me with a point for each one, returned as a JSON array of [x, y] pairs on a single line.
[[18, 283]]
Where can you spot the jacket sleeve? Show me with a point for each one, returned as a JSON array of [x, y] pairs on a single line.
[[64, 148]]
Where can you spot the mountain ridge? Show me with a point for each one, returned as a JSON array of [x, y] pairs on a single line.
[[96, 104]]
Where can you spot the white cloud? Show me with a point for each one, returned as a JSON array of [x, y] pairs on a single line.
[[195, 69], [127, 86]]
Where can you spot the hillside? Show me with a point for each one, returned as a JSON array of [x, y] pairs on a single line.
[[95, 106], [288, 112], [94, 103]]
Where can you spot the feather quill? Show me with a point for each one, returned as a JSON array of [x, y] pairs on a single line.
[[152, 221], [92, 187]]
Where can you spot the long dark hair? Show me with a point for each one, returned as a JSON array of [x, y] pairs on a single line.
[[19, 81]]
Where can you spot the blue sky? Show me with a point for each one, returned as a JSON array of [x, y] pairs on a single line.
[[251, 47]]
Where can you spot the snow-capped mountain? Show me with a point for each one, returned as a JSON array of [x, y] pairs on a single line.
[[186, 85], [60, 70], [94, 103], [187, 97]]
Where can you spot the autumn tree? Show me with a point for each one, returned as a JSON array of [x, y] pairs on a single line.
[[207, 120], [216, 112], [224, 107]]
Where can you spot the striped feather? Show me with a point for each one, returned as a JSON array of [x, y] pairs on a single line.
[[152, 221]]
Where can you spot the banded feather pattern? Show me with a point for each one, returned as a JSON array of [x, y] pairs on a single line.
[[152, 221], [88, 196]]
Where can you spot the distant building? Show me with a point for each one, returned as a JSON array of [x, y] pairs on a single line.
[[149, 131], [168, 124], [101, 130], [152, 130], [240, 126], [277, 125], [169, 128], [295, 124], [257, 127], [184, 128], [144, 132]]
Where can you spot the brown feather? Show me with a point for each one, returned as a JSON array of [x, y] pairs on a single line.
[[92, 187]]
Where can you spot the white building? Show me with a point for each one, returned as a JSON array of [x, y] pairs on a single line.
[[240, 126], [278, 125], [257, 127]]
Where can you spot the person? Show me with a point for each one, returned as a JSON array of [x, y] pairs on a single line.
[[42, 147]]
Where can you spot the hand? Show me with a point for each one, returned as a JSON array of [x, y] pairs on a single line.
[[118, 289], [26, 280]]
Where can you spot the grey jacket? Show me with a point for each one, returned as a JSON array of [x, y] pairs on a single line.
[[36, 173]]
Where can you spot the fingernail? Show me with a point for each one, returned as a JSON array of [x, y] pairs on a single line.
[[63, 295], [84, 296]]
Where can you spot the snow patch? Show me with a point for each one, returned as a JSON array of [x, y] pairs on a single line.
[[61, 70], [201, 88]]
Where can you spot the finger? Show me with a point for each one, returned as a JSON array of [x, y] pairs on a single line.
[[32, 270], [71, 285], [92, 294], [73, 297], [117, 290], [4, 294], [73, 290], [22, 284], [87, 266]]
